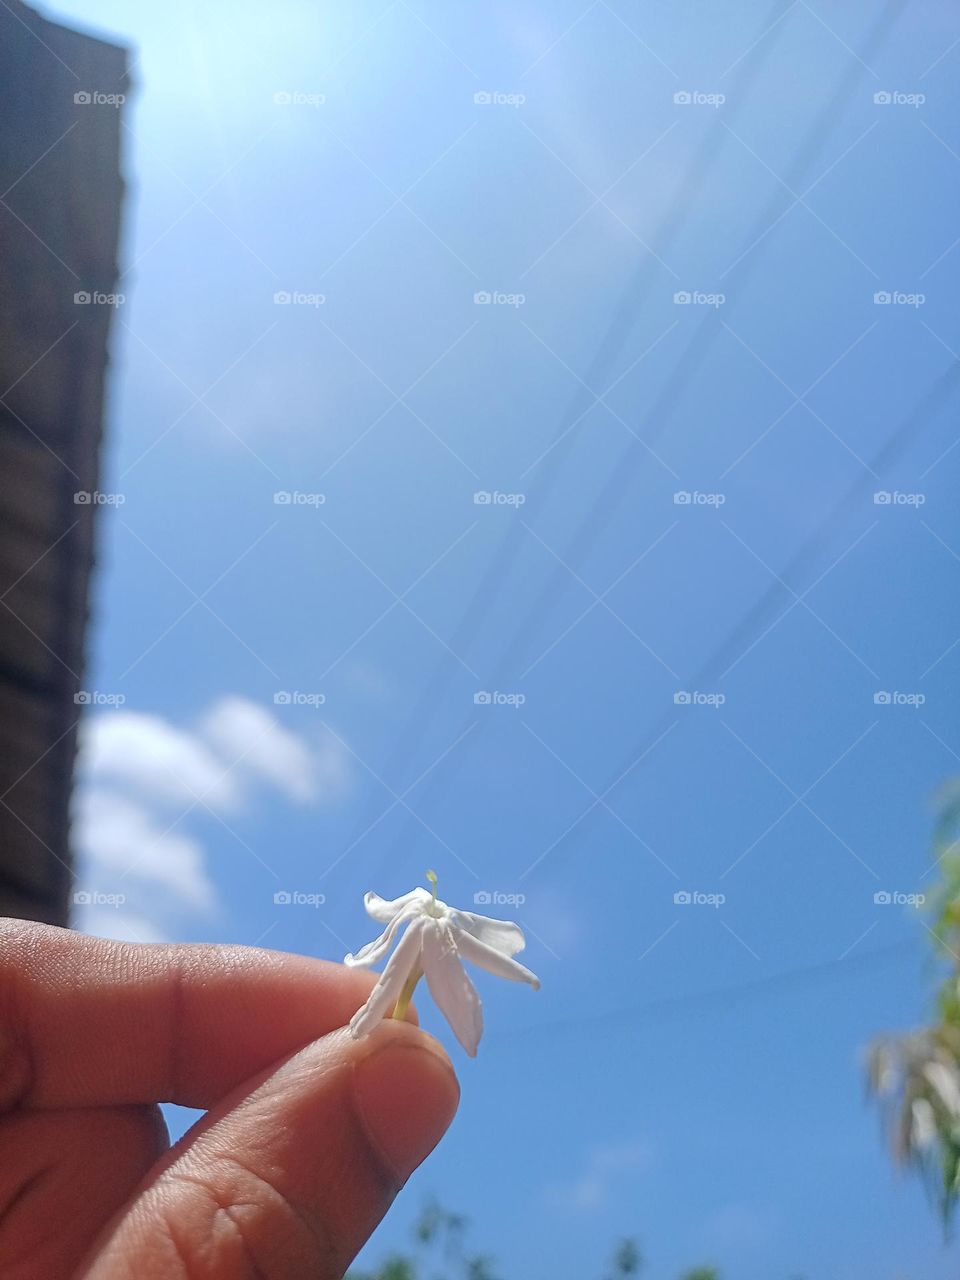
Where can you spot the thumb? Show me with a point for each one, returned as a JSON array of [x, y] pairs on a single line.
[[288, 1180]]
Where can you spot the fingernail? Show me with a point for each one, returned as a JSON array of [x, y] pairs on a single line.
[[406, 1094]]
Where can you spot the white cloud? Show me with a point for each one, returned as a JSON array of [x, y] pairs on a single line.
[[236, 740], [604, 1169], [139, 778], [120, 842], [248, 734], [150, 756]]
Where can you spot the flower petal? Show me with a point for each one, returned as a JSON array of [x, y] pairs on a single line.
[[386, 993], [493, 961], [383, 911], [378, 948], [502, 935], [451, 988]]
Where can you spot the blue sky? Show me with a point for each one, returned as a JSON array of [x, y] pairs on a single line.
[[681, 218]]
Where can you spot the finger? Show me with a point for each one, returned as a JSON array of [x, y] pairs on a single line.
[[289, 1179], [63, 1175], [90, 1022]]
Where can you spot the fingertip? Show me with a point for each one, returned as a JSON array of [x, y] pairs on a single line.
[[406, 1094], [406, 1032]]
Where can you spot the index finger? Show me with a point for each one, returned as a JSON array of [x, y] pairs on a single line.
[[91, 1022]]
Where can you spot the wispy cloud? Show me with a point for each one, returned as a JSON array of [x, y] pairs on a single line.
[[151, 757], [604, 1168], [141, 779], [242, 730], [119, 837]]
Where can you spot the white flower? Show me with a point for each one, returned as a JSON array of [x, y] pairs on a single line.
[[437, 939]]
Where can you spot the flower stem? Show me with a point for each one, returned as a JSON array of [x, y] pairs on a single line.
[[400, 1009]]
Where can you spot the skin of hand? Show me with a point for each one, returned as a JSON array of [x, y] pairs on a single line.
[[307, 1137]]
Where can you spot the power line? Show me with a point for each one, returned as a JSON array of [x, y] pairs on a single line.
[[799, 566], [625, 314], [692, 356], [707, 330], [641, 1016]]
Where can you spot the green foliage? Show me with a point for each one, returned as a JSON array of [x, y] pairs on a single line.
[[917, 1074], [439, 1254], [396, 1267], [437, 1225], [627, 1259], [480, 1268]]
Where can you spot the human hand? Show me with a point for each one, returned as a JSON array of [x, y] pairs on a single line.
[[308, 1133]]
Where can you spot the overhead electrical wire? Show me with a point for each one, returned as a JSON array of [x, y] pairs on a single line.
[[604, 360], [638, 1018], [708, 329], [707, 332]]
